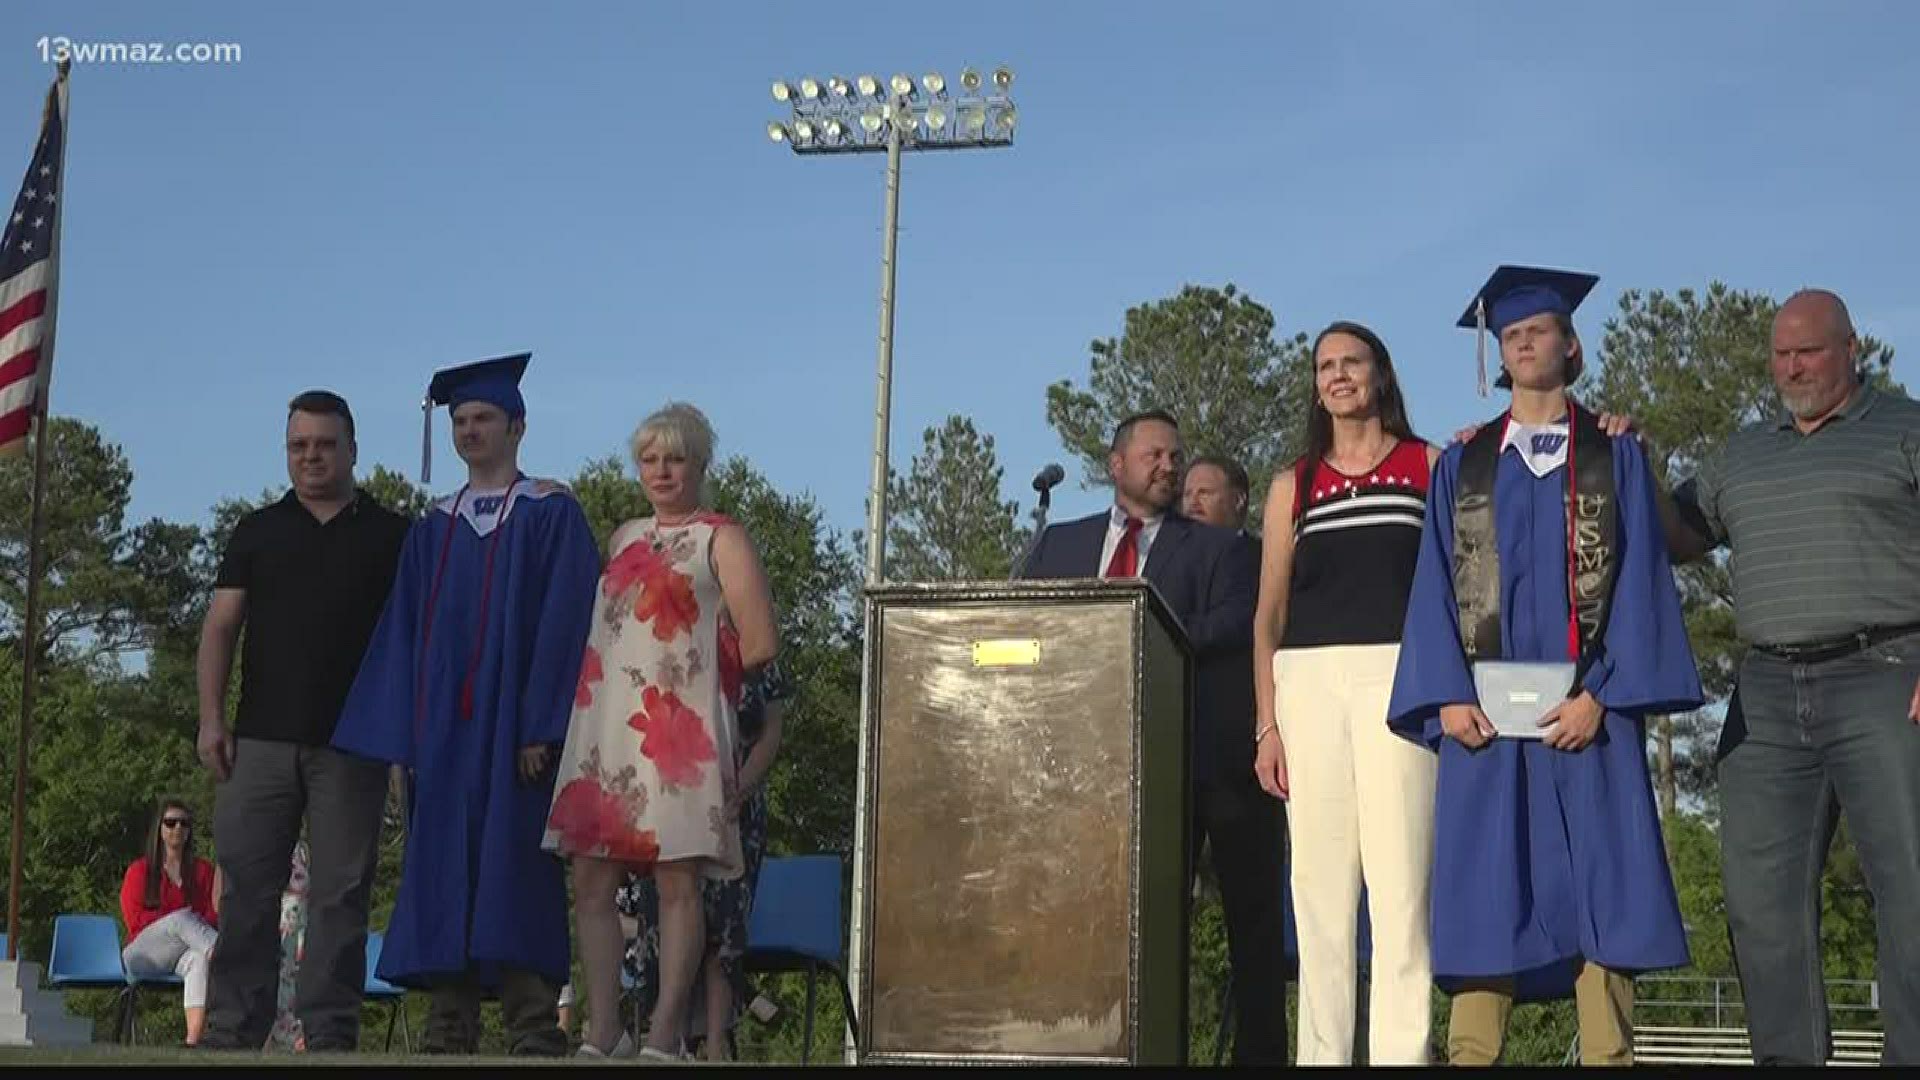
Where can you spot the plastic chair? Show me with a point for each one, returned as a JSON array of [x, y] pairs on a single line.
[[796, 927], [382, 992], [86, 956]]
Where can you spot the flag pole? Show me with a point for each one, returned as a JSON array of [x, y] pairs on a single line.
[[36, 529]]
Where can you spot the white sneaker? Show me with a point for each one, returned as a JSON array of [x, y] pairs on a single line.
[[622, 1049]]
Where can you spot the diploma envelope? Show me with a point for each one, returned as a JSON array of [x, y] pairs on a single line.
[[1516, 694]]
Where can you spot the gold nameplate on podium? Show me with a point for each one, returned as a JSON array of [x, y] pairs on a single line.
[[1026, 828], [1006, 652]]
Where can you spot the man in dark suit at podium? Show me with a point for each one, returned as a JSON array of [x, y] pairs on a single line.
[[1208, 576]]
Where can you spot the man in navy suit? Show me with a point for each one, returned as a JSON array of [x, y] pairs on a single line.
[[1208, 577]]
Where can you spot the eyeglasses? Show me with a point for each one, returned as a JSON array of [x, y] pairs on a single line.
[[176, 823]]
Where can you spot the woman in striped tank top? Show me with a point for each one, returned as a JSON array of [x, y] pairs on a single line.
[[1342, 534]]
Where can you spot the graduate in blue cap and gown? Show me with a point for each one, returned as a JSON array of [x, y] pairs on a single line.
[[468, 684], [1542, 561]]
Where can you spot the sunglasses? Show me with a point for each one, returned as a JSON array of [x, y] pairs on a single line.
[[176, 823]]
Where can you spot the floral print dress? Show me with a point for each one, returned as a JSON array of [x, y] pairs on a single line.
[[650, 753], [286, 1033], [728, 904]]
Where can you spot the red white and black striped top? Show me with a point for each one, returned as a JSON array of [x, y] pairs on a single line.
[[1356, 541]]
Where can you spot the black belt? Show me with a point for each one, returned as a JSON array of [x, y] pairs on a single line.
[[1818, 651]]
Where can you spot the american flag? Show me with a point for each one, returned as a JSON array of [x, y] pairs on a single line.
[[28, 264]]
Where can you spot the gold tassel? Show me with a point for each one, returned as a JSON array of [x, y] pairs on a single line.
[[1480, 341]]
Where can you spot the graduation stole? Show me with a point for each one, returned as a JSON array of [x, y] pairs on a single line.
[[1592, 539]]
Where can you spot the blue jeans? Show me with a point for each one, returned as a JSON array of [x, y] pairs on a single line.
[[1803, 744]]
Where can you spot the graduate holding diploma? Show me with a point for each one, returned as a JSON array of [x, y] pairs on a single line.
[[1542, 628]]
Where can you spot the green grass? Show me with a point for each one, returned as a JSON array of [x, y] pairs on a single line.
[[174, 1057]]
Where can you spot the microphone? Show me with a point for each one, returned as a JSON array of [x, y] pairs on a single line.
[[1043, 482]]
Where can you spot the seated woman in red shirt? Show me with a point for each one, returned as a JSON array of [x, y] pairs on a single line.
[[170, 900]]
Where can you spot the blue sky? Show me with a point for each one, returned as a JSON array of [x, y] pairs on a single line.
[[385, 189]]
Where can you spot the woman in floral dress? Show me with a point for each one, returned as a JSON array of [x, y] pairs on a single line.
[[644, 784]]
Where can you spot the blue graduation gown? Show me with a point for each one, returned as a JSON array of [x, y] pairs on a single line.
[[1543, 857], [476, 892]]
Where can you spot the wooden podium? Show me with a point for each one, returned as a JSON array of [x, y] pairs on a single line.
[[1025, 882]]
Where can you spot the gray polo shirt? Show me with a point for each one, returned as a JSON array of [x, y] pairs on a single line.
[[1824, 528]]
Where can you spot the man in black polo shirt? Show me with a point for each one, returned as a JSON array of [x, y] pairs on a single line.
[[307, 578]]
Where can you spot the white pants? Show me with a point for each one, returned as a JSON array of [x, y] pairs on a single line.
[[1360, 807], [177, 943]]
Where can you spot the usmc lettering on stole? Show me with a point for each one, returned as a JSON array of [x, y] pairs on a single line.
[[1592, 562]]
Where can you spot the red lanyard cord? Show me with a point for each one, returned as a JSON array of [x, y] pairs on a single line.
[[433, 605], [1573, 500]]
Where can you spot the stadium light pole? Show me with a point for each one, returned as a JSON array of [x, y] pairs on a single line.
[[866, 115]]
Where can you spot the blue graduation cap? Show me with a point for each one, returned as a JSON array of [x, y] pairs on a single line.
[[1514, 293], [496, 382]]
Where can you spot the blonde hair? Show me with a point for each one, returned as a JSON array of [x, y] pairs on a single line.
[[679, 428]]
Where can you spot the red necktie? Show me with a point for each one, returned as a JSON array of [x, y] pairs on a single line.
[[1126, 555]]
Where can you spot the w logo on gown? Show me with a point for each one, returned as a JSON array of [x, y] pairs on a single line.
[[1548, 443]]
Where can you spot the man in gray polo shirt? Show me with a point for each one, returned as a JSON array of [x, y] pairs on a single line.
[[1821, 510]]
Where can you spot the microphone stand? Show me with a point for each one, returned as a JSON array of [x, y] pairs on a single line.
[[1039, 529]]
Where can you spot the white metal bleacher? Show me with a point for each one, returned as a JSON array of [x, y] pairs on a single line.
[[1725, 1042], [1728, 1046]]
